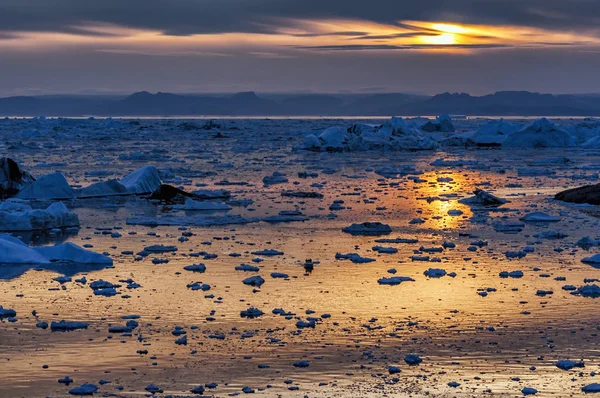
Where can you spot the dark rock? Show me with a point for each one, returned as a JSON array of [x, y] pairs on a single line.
[[589, 194], [170, 194], [12, 178]]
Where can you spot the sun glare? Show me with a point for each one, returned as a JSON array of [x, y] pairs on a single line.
[[443, 39]]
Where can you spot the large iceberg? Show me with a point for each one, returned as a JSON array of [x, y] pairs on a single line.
[[442, 124], [493, 133], [542, 133], [17, 215], [394, 134]]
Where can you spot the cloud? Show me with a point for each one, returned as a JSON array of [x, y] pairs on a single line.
[[187, 17], [372, 47]]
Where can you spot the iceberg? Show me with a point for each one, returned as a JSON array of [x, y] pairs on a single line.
[[49, 187], [542, 133], [17, 215]]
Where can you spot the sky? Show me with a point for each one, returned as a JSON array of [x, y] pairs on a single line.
[[334, 46]]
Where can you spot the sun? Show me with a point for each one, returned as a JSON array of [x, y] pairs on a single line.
[[443, 39]]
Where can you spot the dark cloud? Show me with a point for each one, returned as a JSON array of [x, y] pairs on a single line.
[[184, 17], [363, 47]]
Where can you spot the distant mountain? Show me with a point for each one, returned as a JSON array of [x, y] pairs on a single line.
[[503, 103]]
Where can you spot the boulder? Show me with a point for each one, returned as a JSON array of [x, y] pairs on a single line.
[[12, 178], [589, 194]]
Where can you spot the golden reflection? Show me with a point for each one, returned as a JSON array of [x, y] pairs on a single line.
[[442, 199]]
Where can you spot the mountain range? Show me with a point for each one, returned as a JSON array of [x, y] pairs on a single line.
[[503, 103]]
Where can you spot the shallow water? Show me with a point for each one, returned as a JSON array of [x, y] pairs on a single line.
[[480, 342]]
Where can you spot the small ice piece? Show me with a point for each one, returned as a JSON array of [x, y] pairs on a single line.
[[276, 178], [566, 364], [152, 388], [84, 389], [435, 273], [394, 280], [529, 391], [195, 268], [268, 252], [353, 257], [67, 326], [538, 216], [256, 281], [368, 229], [385, 250], [247, 268], [511, 274], [412, 359], [251, 312]]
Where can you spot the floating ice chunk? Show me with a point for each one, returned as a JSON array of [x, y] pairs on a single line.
[[412, 359], [17, 216], [511, 274], [195, 268], [144, 180], [251, 312], [592, 291], [551, 235], [84, 389], [435, 273], [67, 326], [194, 205], [483, 198], [385, 250], [268, 252], [49, 187], [71, 253], [591, 388], [368, 229], [7, 312], [538, 216], [565, 364], [13, 251], [276, 178], [204, 221], [529, 391], [256, 281], [353, 257], [395, 280], [103, 189], [152, 388], [593, 260], [247, 268]]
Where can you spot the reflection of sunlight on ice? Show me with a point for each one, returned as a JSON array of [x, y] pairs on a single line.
[[442, 201]]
